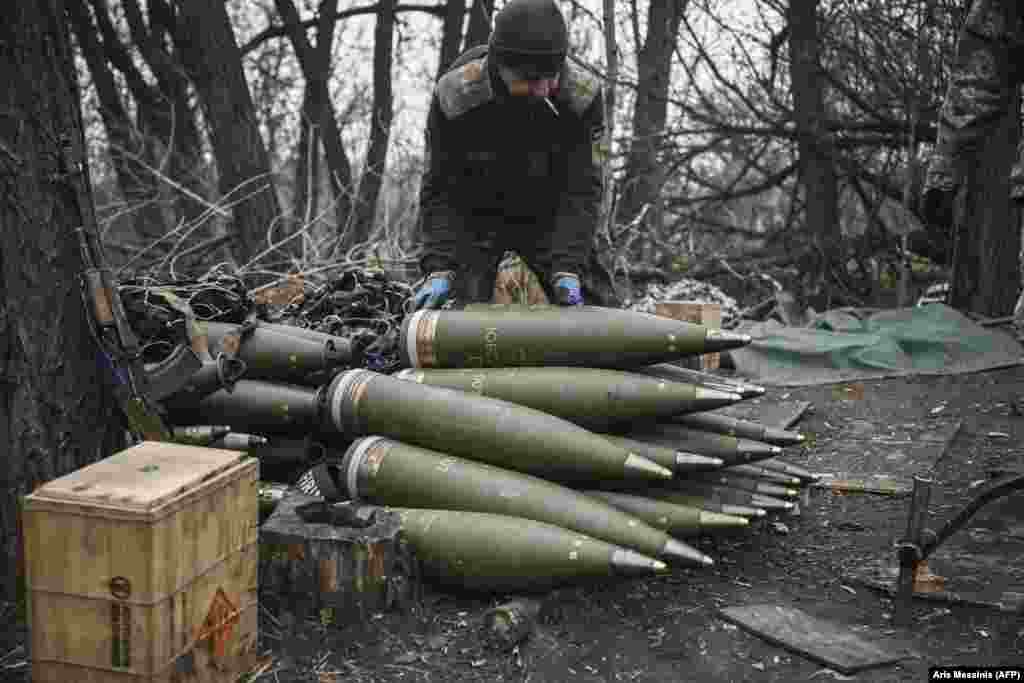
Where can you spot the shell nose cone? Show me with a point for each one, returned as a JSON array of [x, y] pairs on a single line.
[[688, 462], [677, 551], [630, 562], [723, 340], [716, 397], [641, 466]]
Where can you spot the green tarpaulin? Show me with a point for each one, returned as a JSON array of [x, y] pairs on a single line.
[[851, 344]]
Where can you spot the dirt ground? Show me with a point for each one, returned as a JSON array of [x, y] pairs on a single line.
[[668, 628]]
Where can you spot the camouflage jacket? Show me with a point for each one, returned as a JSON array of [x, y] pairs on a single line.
[[989, 65], [499, 160]]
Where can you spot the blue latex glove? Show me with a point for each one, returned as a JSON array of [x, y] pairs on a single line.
[[567, 290], [434, 291]]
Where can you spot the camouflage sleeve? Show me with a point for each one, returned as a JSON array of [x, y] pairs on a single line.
[[576, 220], [441, 225], [981, 87]]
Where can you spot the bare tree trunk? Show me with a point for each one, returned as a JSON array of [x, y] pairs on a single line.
[[611, 55], [56, 414], [986, 238], [481, 12], [126, 149], [208, 48], [814, 146], [451, 34], [318, 111], [307, 165], [178, 129], [644, 173], [380, 129]]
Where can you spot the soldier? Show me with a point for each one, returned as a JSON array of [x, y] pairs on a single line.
[[513, 139], [989, 66]]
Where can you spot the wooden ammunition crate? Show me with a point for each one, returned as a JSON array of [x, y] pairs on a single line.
[[707, 314], [143, 568]]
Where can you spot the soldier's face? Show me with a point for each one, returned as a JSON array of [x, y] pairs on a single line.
[[529, 85]]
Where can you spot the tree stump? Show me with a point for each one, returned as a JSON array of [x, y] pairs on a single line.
[[339, 574]]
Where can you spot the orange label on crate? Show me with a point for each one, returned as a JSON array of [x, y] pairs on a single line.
[[219, 624]]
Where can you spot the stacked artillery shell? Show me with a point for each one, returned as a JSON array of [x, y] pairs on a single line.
[[746, 429], [676, 373], [679, 462], [236, 441], [388, 472], [482, 551], [251, 406], [280, 353], [673, 518], [731, 450], [362, 402], [587, 396], [683, 489], [199, 435], [513, 336]]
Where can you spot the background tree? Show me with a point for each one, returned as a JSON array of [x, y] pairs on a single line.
[[55, 413], [816, 164], [319, 123], [481, 15], [644, 174], [203, 35]]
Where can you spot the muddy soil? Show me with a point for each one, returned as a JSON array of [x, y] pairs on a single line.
[[668, 628]]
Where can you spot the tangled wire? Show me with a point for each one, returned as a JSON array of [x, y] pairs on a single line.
[[363, 306]]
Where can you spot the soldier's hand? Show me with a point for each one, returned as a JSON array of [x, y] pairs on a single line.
[[567, 290], [435, 291], [937, 208]]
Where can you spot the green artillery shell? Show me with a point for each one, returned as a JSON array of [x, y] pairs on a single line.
[[771, 503], [199, 435], [511, 336], [787, 468], [253, 406], [388, 472], [673, 518], [677, 461], [587, 396], [746, 429], [767, 475], [236, 441], [676, 373], [273, 355], [211, 376], [489, 552], [705, 501], [746, 484], [362, 402], [730, 449], [718, 493], [693, 487], [305, 332]]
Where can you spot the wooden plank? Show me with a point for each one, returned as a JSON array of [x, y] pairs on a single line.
[[816, 639]]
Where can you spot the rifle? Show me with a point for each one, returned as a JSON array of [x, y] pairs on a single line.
[[136, 385]]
